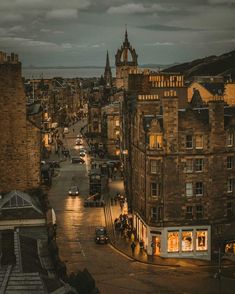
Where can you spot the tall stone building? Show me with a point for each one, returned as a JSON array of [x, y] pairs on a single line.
[[108, 73], [20, 134], [126, 62], [180, 181]]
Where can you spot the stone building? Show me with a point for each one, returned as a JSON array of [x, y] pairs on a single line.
[[211, 88], [180, 180], [20, 139], [126, 61], [111, 128]]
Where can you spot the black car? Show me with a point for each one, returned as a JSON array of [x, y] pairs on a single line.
[[74, 191], [101, 236], [77, 160]]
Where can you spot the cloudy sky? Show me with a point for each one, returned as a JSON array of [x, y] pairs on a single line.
[[78, 32]]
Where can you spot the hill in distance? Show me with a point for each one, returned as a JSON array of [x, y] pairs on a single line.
[[212, 65]]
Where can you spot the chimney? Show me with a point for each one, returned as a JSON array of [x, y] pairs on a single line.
[[170, 105]]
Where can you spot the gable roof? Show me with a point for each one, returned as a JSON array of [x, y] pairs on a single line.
[[17, 199]]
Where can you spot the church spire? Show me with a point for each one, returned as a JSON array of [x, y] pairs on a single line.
[[107, 60], [126, 41], [108, 72]]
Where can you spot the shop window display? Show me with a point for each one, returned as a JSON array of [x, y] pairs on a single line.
[[201, 240], [173, 241], [187, 241]]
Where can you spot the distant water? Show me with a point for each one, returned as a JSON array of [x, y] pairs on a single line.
[[48, 73]]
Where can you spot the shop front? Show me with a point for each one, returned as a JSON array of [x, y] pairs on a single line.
[[180, 242]]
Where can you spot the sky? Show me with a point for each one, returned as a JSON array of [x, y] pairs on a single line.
[[79, 32]]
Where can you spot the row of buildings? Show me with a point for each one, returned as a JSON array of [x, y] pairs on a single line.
[[29, 259], [176, 142]]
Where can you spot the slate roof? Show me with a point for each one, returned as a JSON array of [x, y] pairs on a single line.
[[214, 88], [17, 204]]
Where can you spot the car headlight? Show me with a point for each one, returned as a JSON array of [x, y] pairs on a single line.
[[70, 192], [76, 192]]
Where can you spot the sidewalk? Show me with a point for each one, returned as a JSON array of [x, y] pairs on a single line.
[[123, 245]]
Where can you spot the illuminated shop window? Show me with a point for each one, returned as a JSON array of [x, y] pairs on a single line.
[[173, 241], [187, 241], [201, 240]]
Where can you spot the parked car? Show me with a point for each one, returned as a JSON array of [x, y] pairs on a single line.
[[82, 153], [77, 160], [101, 236], [74, 191]]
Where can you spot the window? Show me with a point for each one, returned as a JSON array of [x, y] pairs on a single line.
[[189, 212], [189, 141], [155, 189], [173, 242], [155, 141], [230, 186], [229, 162], [201, 240], [229, 209], [229, 139], [187, 241], [189, 165], [153, 166], [199, 211], [117, 123], [189, 189], [199, 163], [154, 214], [199, 142], [199, 189]]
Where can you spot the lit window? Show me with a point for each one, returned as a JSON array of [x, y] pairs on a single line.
[[189, 141], [199, 163], [155, 189], [199, 142], [117, 123], [229, 162], [199, 211], [154, 166], [155, 141], [230, 186], [187, 241], [173, 242], [189, 212], [189, 189], [229, 139], [201, 240], [199, 189], [189, 165]]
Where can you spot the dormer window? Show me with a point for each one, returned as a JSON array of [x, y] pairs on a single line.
[[155, 141]]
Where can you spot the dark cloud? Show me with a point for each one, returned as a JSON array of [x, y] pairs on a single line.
[[78, 32], [159, 27]]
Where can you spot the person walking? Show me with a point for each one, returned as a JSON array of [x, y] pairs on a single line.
[[133, 248]]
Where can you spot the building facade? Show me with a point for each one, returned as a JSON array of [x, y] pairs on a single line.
[[20, 158], [180, 180]]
